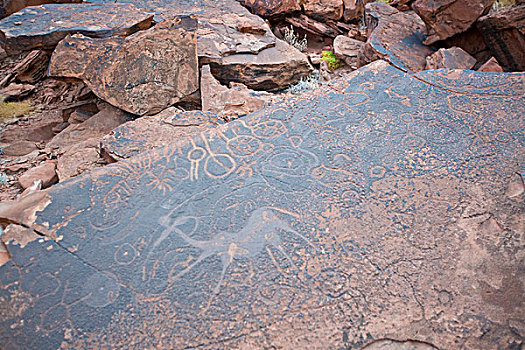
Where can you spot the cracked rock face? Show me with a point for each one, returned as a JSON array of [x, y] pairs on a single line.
[[44, 26], [377, 207], [141, 74]]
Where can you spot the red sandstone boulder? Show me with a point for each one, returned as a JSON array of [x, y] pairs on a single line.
[[491, 65], [504, 33], [445, 18], [396, 37], [323, 10], [348, 49], [354, 10], [472, 42], [272, 8], [274, 68], [45, 173], [453, 58], [141, 74]]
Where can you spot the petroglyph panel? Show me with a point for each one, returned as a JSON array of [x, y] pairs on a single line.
[[375, 208]]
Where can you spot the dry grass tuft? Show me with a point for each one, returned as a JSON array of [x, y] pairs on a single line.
[[14, 109]]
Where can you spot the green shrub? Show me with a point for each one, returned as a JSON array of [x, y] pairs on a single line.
[[331, 59]]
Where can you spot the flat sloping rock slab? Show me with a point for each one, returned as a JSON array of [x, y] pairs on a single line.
[[44, 26], [168, 127], [384, 205]]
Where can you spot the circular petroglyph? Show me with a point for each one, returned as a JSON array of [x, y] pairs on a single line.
[[125, 254], [100, 290], [244, 145]]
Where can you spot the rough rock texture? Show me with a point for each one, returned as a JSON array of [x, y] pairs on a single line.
[[44, 26], [453, 58], [19, 148], [388, 344], [312, 26], [16, 91], [348, 49], [472, 42], [401, 5], [377, 207], [225, 26], [504, 33], [141, 74], [273, 8], [78, 158], [491, 65], [45, 173], [354, 10], [445, 18], [171, 126], [237, 32], [323, 10], [229, 102], [396, 37], [95, 127], [228, 33], [30, 69], [8, 7], [274, 68]]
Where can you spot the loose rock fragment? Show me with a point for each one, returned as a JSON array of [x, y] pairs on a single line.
[[229, 102], [274, 68], [45, 173], [453, 58], [348, 49], [491, 65]]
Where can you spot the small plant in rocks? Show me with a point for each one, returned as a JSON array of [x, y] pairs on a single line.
[[331, 59], [502, 4], [308, 83], [293, 39]]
